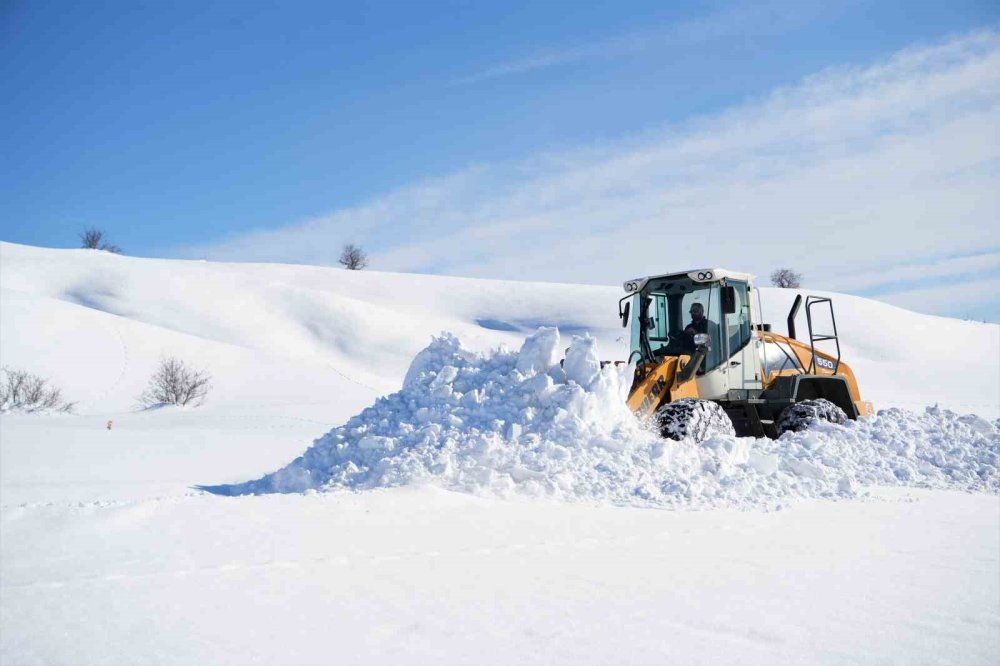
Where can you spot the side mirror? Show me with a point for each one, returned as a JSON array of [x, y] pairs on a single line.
[[729, 300], [624, 314]]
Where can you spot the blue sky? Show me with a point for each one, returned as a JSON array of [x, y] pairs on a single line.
[[433, 131]]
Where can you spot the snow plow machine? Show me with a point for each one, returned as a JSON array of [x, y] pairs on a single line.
[[706, 363]]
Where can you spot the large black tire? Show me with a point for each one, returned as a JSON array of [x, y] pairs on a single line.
[[802, 415], [697, 420]]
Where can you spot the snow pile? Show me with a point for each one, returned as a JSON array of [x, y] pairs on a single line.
[[524, 422]]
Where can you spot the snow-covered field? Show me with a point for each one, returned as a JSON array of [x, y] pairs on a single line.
[[492, 512]]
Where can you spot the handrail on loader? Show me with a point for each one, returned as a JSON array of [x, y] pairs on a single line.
[[814, 338]]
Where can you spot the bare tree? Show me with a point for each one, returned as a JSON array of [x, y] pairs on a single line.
[[174, 383], [93, 239], [786, 278], [24, 392], [353, 258]]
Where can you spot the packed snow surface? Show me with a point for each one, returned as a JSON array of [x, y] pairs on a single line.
[[528, 422]]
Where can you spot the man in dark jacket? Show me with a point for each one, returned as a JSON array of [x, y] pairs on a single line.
[[699, 324]]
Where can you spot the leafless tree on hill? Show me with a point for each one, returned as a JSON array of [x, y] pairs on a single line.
[[24, 392], [786, 278], [353, 258], [93, 239], [175, 383]]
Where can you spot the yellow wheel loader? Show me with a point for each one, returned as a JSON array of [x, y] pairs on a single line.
[[705, 361]]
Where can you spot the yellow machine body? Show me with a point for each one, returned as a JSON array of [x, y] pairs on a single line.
[[656, 384]]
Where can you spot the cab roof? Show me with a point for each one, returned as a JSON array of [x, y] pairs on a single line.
[[697, 274]]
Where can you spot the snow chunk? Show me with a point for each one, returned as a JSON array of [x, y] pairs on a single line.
[[764, 464], [582, 362], [539, 352]]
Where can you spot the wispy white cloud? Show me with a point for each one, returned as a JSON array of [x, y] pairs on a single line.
[[893, 278], [762, 17], [973, 300], [853, 175]]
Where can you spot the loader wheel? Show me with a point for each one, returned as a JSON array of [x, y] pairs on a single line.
[[693, 419], [802, 415]]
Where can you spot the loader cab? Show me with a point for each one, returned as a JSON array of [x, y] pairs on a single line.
[[659, 314]]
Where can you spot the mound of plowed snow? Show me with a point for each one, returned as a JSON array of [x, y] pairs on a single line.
[[525, 422]]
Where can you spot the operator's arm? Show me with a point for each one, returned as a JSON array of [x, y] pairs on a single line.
[[687, 338]]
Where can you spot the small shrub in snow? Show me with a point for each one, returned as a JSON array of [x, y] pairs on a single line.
[[22, 391], [786, 278], [93, 239], [175, 383], [353, 258]]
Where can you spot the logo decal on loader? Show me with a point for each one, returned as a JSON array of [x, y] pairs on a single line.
[[824, 363], [654, 394]]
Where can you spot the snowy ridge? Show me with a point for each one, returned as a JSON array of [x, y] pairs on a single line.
[[522, 422], [96, 324]]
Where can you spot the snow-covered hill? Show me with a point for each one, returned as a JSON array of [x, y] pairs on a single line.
[[109, 555], [97, 323]]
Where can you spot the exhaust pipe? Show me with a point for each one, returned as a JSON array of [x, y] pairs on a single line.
[[791, 315]]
